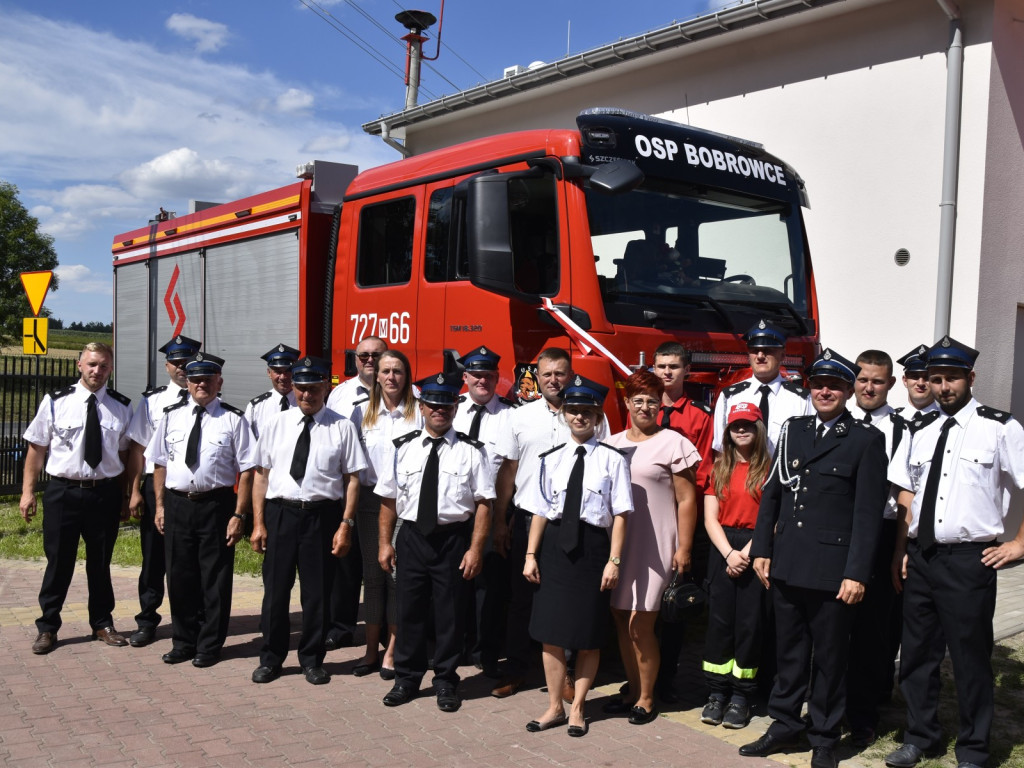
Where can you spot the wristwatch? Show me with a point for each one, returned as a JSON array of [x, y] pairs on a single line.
[[614, 560], [348, 521], [240, 517]]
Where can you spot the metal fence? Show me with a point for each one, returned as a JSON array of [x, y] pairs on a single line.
[[23, 382]]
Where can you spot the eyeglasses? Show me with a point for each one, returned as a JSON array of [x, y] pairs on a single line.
[[643, 404], [364, 356]]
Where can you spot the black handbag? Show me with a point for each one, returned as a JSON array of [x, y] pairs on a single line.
[[683, 598]]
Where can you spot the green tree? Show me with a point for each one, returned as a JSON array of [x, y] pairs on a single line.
[[23, 248]]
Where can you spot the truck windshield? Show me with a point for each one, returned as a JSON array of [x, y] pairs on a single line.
[[691, 259]]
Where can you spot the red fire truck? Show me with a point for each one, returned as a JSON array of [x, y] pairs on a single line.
[[606, 240]]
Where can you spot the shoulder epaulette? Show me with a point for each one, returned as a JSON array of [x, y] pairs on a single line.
[[361, 401], [467, 439], [122, 399], [259, 398], [231, 408], [923, 421], [462, 398], [154, 390], [795, 388], [735, 388], [702, 407], [992, 413], [613, 448], [400, 441], [62, 392], [900, 409], [795, 420], [552, 450], [509, 403], [178, 404]]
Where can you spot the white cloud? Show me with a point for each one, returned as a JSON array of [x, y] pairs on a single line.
[[294, 100], [209, 36], [78, 278]]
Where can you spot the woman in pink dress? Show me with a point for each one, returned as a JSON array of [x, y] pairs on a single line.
[[660, 534]]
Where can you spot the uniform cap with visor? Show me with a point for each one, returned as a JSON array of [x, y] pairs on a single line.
[[480, 359], [830, 363], [914, 360], [583, 391], [441, 388], [950, 353], [180, 348], [204, 364], [765, 335], [311, 370], [281, 356]]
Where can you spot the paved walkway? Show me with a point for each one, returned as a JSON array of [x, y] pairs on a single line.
[[86, 704]]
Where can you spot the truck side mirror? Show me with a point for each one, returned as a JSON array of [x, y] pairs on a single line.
[[616, 177], [489, 236]]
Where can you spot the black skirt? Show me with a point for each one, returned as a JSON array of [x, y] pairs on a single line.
[[569, 608]]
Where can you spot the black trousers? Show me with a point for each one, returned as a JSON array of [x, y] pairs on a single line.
[[297, 538], [199, 569], [485, 612], [518, 643], [949, 599], [874, 639], [428, 569], [154, 568], [71, 513], [732, 646], [347, 578], [811, 627]]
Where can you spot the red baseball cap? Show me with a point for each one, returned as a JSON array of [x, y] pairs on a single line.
[[744, 412]]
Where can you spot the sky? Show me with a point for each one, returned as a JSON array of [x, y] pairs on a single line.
[[111, 110]]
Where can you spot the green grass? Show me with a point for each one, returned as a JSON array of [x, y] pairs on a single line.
[[24, 541], [64, 339]]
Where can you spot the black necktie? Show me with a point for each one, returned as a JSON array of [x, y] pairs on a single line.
[[301, 454], [569, 534], [765, 390], [666, 415], [867, 417], [426, 512], [284, 402], [478, 416], [819, 433], [93, 436], [192, 446], [183, 396], [917, 415], [926, 524]]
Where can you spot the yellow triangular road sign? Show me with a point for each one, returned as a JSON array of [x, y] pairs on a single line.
[[36, 285]]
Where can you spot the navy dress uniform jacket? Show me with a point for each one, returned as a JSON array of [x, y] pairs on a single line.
[[826, 525]]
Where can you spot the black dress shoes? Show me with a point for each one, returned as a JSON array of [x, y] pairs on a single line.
[[448, 700], [765, 746], [316, 675], [640, 716], [908, 755], [265, 674], [823, 757], [205, 660], [362, 670], [178, 656], [45, 643], [398, 696], [336, 640], [142, 637]]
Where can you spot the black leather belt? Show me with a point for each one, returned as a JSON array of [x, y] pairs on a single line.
[[91, 483], [960, 546], [203, 495], [320, 503]]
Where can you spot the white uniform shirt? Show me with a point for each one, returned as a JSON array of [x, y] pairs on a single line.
[[225, 449], [982, 458], [606, 485], [150, 413], [344, 396], [492, 424], [887, 421], [530, 430], [59, 424], [334, 450], [263, 407], [464, 477], [377, 440], [910, 412], [783, 404]]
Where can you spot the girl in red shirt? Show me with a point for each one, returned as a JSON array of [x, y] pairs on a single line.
[[735, 597]]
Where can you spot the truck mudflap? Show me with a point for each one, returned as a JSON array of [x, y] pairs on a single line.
[[582, 339]]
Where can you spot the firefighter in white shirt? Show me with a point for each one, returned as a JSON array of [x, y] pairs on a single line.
[[198, 451], [280, 397], [954, 477], [304, 507]]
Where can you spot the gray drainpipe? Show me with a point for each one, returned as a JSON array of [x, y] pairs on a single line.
[[950, 170], [385, 134]]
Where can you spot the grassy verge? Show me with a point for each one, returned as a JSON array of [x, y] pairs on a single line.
[[65, 339], [24, 541]]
